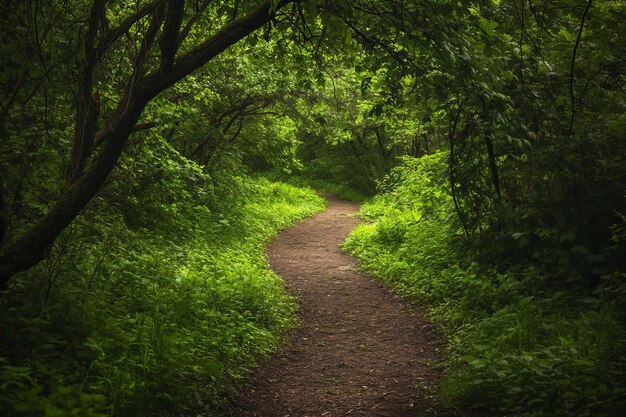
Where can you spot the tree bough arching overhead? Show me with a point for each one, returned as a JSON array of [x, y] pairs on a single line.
[[163, 47]]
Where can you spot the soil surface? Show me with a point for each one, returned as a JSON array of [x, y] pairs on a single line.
[[360, 350]]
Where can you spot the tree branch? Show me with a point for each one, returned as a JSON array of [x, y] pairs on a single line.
[[187, 29], [31, 247], [87, 106], [572, 67], [5, 108], [144, 126], [169, 37], [156, 82], [113, 35]]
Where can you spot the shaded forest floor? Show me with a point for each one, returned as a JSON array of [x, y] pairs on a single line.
[[360, 350]]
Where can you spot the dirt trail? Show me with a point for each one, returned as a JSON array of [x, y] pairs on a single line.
[[360, 351]]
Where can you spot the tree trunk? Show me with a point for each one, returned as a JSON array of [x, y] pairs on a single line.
[[31, 247]]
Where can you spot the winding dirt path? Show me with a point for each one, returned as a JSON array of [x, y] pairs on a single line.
[[361, 351]]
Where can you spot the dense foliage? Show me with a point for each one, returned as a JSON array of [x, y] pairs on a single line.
[[514, 231], [151, 308], [518, 344], [133, 213]]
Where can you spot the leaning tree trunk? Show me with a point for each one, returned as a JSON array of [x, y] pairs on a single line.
[[86, 177]]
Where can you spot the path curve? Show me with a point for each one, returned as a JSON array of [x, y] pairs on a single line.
[[360, 351]]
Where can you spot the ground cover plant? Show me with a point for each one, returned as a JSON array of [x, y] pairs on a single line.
[[134, 140], [151, 308], [518, 343]]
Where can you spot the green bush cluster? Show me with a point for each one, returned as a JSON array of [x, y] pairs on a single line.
[[321, 185], [519, 344], [155, 301]]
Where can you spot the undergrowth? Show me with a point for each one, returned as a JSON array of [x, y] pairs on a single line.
[[155, 301], [342, 189], [519, 342]]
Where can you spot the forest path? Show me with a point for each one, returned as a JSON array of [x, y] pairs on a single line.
[[360, 351]]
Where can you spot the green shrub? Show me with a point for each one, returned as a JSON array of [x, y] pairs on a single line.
[[151, 306], [517, 344]]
